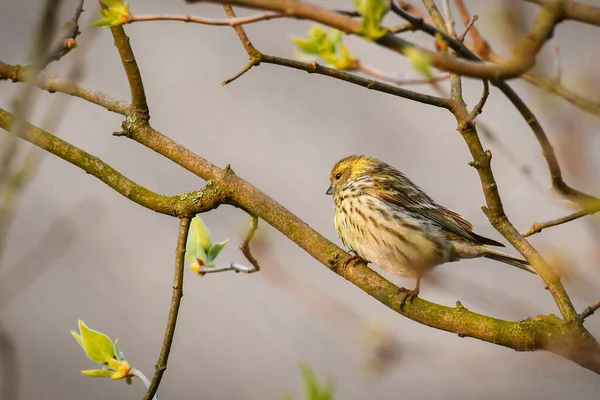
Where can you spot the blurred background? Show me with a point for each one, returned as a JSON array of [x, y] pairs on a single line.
[[77, 249]]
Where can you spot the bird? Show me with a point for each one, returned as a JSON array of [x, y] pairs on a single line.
[[387, 220]]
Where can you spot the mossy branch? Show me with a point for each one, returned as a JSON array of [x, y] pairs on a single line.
[[185, 204]]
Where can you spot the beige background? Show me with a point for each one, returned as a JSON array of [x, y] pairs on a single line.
[[109, 262]]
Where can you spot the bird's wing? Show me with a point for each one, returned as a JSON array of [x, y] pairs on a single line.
[[398, 190]]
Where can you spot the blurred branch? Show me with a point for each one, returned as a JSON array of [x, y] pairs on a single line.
[[551, 85], [67, 42], [245, 247], [161, 364], [537, 227], [19, 73], [9, 366], [179, 205], [525, 52], [573, 10], [23, 101], [206, 21]]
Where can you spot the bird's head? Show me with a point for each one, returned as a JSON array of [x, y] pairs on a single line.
[[349, 169]]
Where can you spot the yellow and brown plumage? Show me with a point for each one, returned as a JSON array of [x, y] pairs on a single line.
[[389, 221]]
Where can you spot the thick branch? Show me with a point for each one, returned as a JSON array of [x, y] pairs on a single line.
[[161, 364], [180, 205], [525, 52], [573, 10]]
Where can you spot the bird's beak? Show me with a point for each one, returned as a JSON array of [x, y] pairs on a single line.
[[329, 191]]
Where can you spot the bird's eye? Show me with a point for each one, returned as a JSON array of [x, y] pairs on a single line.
[[338, 175]]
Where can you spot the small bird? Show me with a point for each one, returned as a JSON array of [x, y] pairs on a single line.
[[387, 220]]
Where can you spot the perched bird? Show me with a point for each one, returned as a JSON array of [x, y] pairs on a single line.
[[389, 221]]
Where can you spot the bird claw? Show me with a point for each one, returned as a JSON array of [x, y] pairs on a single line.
[[353, 260], [410, 295]]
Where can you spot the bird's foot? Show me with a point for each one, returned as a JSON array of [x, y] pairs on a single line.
[[408, 295], [353, 260]]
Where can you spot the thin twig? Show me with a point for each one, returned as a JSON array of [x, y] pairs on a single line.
[[468, 27], [245, 247], [253, 61], [589, 311], [161, 364], [231, 267], [377, 73], [205, 21], [140, 375], [537, 227], [479, 106]]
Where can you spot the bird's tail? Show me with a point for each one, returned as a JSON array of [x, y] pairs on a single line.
[[507, 259]]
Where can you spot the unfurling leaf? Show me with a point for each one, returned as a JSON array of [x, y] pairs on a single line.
[[98, 347], [98, 373], [328, 46], [114, 13], [199, 237], [372, 12], [215, 250], [420, 62]]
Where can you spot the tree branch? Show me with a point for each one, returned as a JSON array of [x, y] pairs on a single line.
[[19, 73], [565, 338], [553, 86], [537, 227], [206, 21], [161, 364], [589, 311], [573, 10], [525, 52], [581, 198], [139, 104], [181, 205]]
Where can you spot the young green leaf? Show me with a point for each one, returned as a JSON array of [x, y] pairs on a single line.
[[372, 12], [98, 373], [77, 337], [198, 236], [328, 46], [215, 250], [114, 13], [98, 347], [420, 62], [312, 388]]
